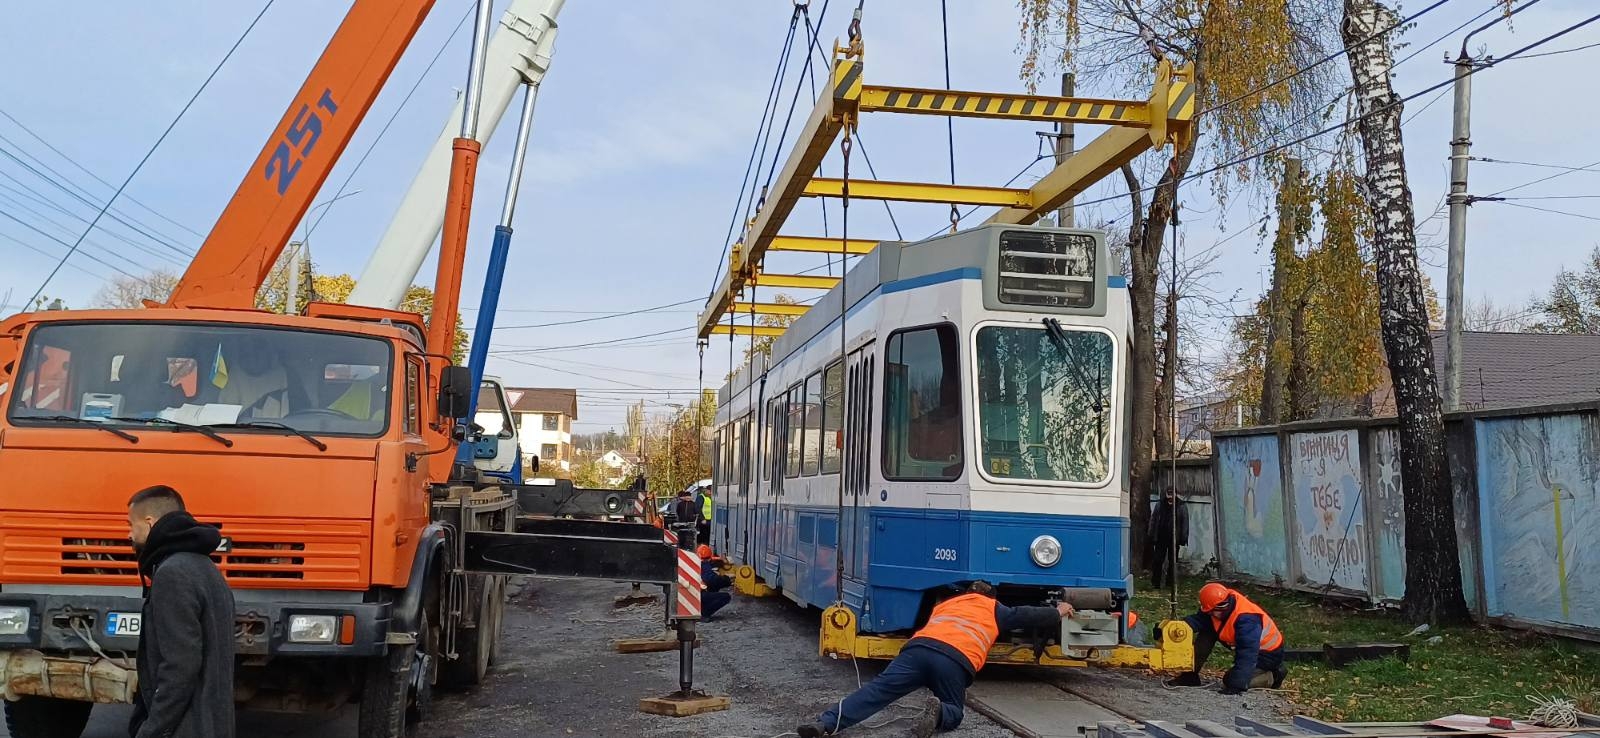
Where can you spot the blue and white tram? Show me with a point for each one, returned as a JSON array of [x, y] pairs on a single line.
[[975, 429]]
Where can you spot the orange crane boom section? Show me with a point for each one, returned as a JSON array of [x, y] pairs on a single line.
[[277, 190]]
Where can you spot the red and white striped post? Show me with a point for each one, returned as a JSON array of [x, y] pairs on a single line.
[[685, 601]]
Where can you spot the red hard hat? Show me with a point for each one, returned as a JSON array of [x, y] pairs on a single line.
[[1211, 595], [705, 552]]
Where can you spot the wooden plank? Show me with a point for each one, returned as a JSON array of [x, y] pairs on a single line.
[[681, 706]]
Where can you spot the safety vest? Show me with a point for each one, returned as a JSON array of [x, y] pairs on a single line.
[[965, 623], [1271, 637], [705, 506]]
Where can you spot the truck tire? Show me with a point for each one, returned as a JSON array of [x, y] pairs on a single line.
[[499, 618], [475, 645], [47, 717], [398, 689]]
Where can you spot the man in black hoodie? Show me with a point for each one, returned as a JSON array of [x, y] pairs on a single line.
[[186, 647]]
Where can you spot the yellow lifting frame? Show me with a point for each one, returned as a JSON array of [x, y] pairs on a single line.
[[840, 638], [1137, 126], [769, 308], [747, 330]]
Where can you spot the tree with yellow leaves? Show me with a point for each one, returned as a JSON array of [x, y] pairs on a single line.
[[1252, 76]]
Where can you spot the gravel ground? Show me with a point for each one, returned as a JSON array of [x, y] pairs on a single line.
[[1142, 695], [557, 674]]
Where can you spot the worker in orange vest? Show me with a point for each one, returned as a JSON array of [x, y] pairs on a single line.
[[944, 657], [1231, 618]]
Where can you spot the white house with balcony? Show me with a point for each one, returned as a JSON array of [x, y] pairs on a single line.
[[544, 418]]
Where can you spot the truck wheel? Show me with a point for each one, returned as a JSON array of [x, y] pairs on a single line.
[[475, 645], [398, 689], [499, 619], [47, 717]]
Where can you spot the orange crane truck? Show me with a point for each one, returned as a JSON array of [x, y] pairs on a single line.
[[366, 566]]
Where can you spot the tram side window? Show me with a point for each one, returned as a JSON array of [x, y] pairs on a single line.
[[813, 434], [796, 422], [922, 405], [832, 417]]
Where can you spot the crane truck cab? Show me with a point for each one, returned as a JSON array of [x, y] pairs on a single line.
[[497, 452], [318, 444]]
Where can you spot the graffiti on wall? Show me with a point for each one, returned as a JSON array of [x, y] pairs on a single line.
[[1249, 506], [1541, 518], [1330, 530], [1389, 515]]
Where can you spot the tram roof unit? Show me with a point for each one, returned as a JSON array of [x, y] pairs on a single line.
[[1135, 126], [897, 263]]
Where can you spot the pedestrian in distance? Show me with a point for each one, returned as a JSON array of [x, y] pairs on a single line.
[[714, 597], [944, 657], [704, 510], [1162, 572], [1228, 617], [186, 648]]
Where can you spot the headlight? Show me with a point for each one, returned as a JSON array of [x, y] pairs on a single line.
[[312, 628], [14, 620], [1045, 550]]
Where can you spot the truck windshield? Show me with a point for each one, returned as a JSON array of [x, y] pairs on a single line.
[[1044, 405], [203, 374]]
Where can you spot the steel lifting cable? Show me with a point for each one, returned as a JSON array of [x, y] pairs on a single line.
[[949, 120], [844, 305], [699, 417]]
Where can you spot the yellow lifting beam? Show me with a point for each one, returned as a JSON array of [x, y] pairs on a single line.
[[762, 331], [873, 189], [816, 245], [797, 281], [769, 308], [1135, 127]]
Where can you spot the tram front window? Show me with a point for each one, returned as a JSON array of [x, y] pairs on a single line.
[[1044, 405]]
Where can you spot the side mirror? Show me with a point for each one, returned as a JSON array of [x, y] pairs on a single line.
[[455, 392], [534, 465]]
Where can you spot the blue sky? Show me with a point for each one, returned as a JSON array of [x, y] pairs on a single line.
[[642, 131]]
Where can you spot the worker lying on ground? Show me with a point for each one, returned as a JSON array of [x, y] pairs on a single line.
[[714, 598], [1231, 618], [943, 656]]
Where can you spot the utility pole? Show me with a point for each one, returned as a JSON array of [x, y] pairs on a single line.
[[1455, 260], [292, 297], [1065, 147]]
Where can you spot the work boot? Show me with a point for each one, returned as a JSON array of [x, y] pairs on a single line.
[[928, 721], [811, 731], [1262, 679], [1278, 675], [1186, 679]]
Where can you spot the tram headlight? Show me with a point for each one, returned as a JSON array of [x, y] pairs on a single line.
[[1045, 550]]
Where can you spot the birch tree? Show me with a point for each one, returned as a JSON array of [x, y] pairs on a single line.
[[1433, 569]]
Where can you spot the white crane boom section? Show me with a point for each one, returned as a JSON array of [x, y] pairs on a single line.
[[519, 53]]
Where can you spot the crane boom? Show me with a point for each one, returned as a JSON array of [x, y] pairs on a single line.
[[519, 53], [277, 190]]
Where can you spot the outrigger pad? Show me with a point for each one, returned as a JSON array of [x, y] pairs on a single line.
[[678, 705], [649, 645]]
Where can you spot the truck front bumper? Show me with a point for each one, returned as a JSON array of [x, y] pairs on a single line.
[[65, 623]]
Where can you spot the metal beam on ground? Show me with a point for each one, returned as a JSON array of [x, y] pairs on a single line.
[[818, 245], [872, 189]]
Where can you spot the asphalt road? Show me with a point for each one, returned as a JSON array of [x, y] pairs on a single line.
[[558, 676]]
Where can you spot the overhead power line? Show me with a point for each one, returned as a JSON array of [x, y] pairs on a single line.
[[607, 316], [151, 151]]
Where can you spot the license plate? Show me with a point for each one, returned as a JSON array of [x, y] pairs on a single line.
[[124, 623]]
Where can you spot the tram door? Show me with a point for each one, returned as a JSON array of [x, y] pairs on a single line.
[[854, 530]]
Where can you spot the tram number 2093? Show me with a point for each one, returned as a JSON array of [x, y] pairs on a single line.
[[944, 554]]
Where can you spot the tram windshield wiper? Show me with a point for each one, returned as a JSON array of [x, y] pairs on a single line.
[[275, 425], [97, 425], [181, 426], [1057, 334]]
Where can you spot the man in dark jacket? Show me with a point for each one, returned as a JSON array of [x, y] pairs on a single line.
[[714, 597], [1162, 541], [186, 643], [944, 657]]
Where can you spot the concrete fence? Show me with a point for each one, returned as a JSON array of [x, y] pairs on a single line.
[[1319, 507]]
